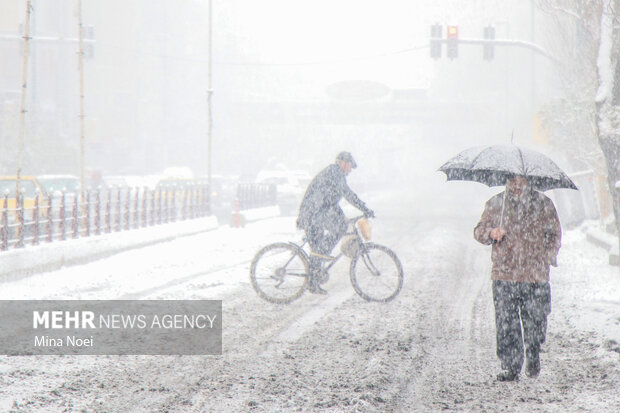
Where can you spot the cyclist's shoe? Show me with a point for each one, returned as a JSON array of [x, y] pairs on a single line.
[[315, 288]]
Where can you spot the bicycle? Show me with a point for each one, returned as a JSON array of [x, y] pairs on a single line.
[[280, 272]]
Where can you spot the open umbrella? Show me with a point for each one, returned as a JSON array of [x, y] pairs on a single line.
[[494, 165]]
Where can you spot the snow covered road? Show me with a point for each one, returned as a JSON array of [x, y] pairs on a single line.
[[431, 349]]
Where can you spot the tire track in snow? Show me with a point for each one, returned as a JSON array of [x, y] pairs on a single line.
[[306, 321], [446, 334], [180, 281]]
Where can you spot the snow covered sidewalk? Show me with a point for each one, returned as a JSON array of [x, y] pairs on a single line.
[[609, 242], [48, 257], [586, 283]]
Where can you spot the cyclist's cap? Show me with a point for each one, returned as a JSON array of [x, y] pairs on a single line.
[[347, 157]]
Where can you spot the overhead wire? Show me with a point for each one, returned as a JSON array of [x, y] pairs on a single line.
[[257, 63]]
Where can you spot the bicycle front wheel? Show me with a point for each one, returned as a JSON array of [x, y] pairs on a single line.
[[279, 273], [376, 273]]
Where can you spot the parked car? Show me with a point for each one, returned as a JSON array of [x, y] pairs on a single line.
[[178, 183], [30, 187], [181, 187], [131, 181], [55, 184], [178, 172], [291, 186], [303, 178], [223, 194]]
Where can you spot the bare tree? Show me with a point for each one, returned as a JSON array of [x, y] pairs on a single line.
[[587, 122], [608, 98]]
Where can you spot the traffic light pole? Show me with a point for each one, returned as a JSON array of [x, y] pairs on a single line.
[[501, 42]]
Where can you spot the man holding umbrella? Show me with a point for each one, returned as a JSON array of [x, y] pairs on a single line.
[[523, 228]]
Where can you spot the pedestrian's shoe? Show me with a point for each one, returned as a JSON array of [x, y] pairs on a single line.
[[508, 375], [532, 366]]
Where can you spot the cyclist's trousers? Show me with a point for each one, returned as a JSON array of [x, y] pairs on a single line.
[[323, 237]]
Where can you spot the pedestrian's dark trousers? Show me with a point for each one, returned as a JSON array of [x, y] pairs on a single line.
[[324, 235], [521, 311]]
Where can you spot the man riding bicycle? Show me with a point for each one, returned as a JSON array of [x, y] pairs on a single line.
[[321, 217]]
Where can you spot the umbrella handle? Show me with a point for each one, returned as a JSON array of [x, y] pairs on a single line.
[[501, 217]]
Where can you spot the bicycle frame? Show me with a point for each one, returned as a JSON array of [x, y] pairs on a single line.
[[337, 257], [290, 283]]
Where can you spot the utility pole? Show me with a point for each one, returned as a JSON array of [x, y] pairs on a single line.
[[533, 63], [22, 123], [209, 96], [81, 70], [34, 65]]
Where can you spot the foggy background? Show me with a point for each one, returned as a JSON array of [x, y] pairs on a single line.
[[294, 83]]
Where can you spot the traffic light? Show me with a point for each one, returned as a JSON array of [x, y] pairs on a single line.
[[88, 35], [89, 51], [452, 50], [436, 33], [488, 49]]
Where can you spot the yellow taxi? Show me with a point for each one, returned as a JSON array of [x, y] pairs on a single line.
[[30, 186]]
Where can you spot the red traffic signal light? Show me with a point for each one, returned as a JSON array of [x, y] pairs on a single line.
[[453, 42]]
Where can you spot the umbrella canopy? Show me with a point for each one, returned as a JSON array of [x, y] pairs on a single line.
[[494, 165]]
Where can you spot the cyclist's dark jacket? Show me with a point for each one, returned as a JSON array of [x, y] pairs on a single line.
[[320, 203]]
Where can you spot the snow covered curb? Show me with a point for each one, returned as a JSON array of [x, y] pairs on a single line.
[[255, 214], [607, 241], [49, 257]]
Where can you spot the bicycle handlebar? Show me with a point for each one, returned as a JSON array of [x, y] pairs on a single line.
[[357, 218]]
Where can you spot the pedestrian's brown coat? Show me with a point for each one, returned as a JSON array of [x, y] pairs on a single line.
[[532, 241]]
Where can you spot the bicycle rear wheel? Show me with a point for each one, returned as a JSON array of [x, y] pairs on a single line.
[[376, 273], [279, 273]]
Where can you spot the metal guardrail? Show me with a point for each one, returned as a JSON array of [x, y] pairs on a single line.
[[254, 195], [93, 212]]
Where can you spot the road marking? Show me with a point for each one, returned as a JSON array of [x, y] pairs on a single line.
[[301, 325]]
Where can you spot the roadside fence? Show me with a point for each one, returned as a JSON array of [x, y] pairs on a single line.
[[254, 195], [67, 215]]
